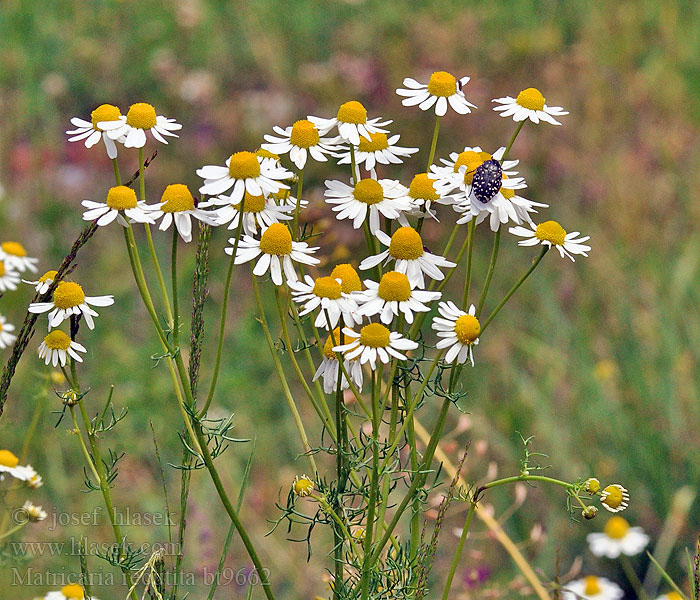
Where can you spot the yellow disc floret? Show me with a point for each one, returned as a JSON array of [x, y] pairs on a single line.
[[592, 587], [352, 112], [73, 592], [368, 191], [467, 329], [442, 84], [57, 340], [48, 275], [327, 287], [304, 134], [177, 198], [141, 115], [2, 268], [303, 486], [329, 344], [394, 286], [104, 112], [423, 188], [262, 153], [592, 485], [551, 231], [406, 244], [378, 142], [13, 248], [616, 528], [374, 335], [350, 280], [244, 165], [531, 98], [121, 198], [276, 240], [507, 193], [7, 459], [68, 294], [614, 497], [252, 204]]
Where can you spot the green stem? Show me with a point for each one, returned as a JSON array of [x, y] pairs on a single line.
[[159, 273], [633, 578], [352, 165], [15, 529], [173, 273], [489, 274], [512, 139], [431, 156], [300, 186], [117, 176], [458, 552], [470, 249]]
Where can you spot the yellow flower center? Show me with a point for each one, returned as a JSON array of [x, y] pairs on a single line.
[[352, 112], [303, 486], [48, 275], [328, 346], [442, 84], [104, 112], [68, 294], [244, 165], [262, 153], [506, 193], [276, 240], [374, 335], [2, 268], [592, 586], [368, 191], [592, 485], [378, 142], [613, 496], [674, 596], [7, 459], [531, 98], [280, 195], [327, 287], [406, 244], [252, 204], [467, 329], [422, 188], [304, 134], [551, 231], [471, 160], [616, 528], [141, 115], [394, 286], [57, 340], [73, 592], [121, 198], [350, 280], [13, 248], [177, 198]]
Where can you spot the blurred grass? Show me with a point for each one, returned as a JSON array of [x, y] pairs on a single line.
[[598, 360]]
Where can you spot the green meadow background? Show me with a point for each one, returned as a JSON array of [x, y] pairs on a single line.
[[598, 360]]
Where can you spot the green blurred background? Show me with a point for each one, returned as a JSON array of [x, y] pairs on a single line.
[[598, 359]]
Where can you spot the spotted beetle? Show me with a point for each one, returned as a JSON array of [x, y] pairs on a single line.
[[487, 180]]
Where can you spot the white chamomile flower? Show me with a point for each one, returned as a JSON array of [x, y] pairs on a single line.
[[35, 480], [177, 205], [15, 257], [591, 588], [405, 247], [374, 342], [91, 133], [391, 296], [44, 282], [352, 123], [459, 331], [244, 172], [9, 278], [528, 105], [377, 149], [672, 595], [349, 278], [422, 195], [33, 512], [550, 233], [614, 498], [133, 126], [9, 464], [119, 199], [325, 293], [70, 299], [6, 335], [258, 211], [278, 250], [386, 197], [442, 88], [68, 592], [617, 538], [328, 369], [300, 140], [57, 347]]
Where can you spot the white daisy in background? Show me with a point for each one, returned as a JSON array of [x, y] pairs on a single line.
[[326, 294], [44, 282], [278, 252], [459, 168], [69, 592], [134, 125], [442, 88], [617, 538], [177, 206], [9, 464], [459, 331], [386, 197], [422, 195], [119, 198], [15, 257], [6, 335], [300, 140], [377, 149], [258, 211], [528, 105], [591, 588], [70, 299], [615, 498], [90, 132], [33, 512], [391, 296], [328, 369], [56, 347], [374, 341], [550, 233], [9, 278], [244, 172], [672, 595], [405, 247], [35, 480], [352, 123]]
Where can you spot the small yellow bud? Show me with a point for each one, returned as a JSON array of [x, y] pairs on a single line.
[[592, 485], [589, 512], [303, 486]]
